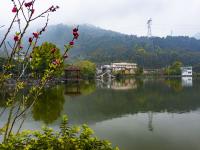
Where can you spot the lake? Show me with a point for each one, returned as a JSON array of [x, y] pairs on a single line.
[[135, 114]]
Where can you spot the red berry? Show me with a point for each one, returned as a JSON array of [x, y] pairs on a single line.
[[14, 10]]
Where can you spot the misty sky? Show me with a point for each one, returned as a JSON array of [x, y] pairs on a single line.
[[126, 16]]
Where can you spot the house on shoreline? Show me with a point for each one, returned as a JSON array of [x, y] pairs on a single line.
[[186, 71], [123, 67]]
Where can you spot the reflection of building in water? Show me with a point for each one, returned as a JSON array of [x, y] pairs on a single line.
[[124, 84], [72, 89], [187, 81], [186, 71]]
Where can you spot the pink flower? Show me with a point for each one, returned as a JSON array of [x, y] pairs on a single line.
[[35, 34], [71, 43], [16, 38], [14, 10], [75, 30], [29, 4], [30, 40], [75, 33]]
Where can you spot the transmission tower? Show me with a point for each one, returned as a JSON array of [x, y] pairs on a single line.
[[149, 23]]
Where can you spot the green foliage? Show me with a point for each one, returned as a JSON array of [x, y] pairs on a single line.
[[68, 138], [88, 68], [174, 69], [43, 57]]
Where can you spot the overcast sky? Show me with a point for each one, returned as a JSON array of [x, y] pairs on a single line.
[[126, 16]]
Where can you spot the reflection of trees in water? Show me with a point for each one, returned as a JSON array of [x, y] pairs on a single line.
[[175, 84], [4, 95], [80, 88], [101, 104], [153, 96], [49, 105]]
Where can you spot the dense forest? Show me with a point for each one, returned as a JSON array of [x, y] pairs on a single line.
[[105, 46]]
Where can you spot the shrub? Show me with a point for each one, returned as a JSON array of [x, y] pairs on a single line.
[[68, 138]]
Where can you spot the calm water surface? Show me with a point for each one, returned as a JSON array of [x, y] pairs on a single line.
[[135, 114]]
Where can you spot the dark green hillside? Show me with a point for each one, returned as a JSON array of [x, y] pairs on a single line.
[[104, 46]]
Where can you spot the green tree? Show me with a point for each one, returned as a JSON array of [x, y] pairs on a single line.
[[88, 68], [174, 69], [43, 56]]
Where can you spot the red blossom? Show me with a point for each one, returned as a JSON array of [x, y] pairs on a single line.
[[75, 30], [71, 43], [16, 38], [75, 33], [30, 40], [29, 4], [14, 10], [35, 34]]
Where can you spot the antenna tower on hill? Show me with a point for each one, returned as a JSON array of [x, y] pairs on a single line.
[[149, 23]]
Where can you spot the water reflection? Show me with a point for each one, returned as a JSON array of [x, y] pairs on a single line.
[[118, 84], [187, 81], [123, 111], [80, 88], [50, 105]]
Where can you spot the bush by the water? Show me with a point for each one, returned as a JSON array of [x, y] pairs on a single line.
[[68, 138]]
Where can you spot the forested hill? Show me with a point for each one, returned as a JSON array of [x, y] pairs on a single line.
[[104, 46]]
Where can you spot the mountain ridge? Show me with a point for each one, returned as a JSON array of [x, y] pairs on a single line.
[[106, 46]]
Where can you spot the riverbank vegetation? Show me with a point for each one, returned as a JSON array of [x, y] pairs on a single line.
[[67, 138], [174, 69]]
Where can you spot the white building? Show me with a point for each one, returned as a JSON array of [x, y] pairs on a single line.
[[186, 71], [129, 67]]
